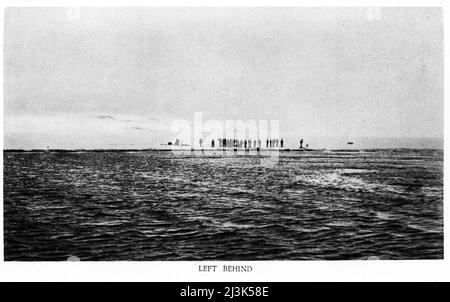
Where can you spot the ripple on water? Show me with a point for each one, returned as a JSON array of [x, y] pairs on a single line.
[[159, 206]]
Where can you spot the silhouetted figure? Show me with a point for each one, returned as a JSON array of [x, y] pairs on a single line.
[[212, 143], [267, 143], [276, 142], [224, 142], [301, 143], [200, 142], [306, 145], [245, 144], [281, 143]]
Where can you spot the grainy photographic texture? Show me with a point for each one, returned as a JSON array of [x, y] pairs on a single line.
[[223, 133]]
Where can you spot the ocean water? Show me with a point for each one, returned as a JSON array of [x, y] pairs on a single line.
[[164, 206]]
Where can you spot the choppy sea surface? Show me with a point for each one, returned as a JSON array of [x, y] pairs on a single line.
[[163, 206]]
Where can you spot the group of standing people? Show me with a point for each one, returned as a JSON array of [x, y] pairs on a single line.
[[247, 144]]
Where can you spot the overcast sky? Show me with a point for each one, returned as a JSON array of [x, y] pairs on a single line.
[[118, 78]]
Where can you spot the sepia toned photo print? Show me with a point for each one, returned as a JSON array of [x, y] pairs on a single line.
[[223, 133]]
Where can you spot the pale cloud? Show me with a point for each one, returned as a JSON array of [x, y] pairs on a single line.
[[78, 131], [105, 117]]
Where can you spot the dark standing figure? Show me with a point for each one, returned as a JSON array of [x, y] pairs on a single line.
[[281, 143], [267, 143], [301, 143], [245, 144], [212, 143], [224, 142]]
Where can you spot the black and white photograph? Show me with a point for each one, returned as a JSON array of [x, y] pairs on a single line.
[[223, 133]]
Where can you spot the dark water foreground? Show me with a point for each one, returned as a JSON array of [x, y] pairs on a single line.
[[159, 206]]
